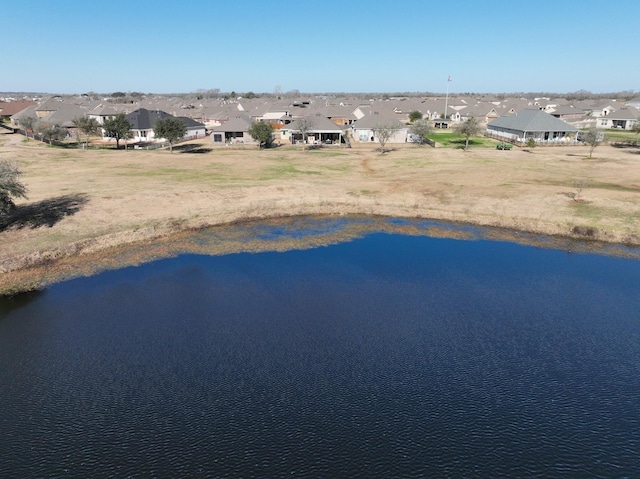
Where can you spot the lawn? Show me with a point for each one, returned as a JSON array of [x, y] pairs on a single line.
[[621, 136], [449, 139]]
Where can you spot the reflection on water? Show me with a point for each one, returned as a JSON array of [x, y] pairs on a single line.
[[10, 303], [286, 234], [387, 356]]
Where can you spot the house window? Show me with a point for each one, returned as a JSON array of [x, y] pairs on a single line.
[[217, 138]]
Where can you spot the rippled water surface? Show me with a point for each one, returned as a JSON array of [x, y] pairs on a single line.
[[389, 356]]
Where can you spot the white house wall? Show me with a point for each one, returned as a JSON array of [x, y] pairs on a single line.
[[364, 135], [198, 132]]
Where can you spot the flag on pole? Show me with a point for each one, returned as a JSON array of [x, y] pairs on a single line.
[[449, 79]]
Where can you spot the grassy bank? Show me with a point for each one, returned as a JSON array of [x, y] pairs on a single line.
[[83, 203]]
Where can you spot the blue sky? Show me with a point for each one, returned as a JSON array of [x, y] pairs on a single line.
[[316, 46]]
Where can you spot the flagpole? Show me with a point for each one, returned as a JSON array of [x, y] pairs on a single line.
[[446, 101]]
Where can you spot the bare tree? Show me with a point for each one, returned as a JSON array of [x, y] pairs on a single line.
[[304, 126], [384, 133], [593, 138], [468, 128], [88, 126], [51, 133], [636, 130], [27, 123], [420, 129]]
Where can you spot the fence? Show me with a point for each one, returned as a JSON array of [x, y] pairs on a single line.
[[507, 138]]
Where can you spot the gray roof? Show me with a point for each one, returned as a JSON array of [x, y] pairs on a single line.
[[143, 119], [377, 120], [29, 111], [190, 123], [239, 123], [624, 114], [336, 111], [65, 115], [103, 110], [566, 110], [50, 104], [319, 124], [531, 120]]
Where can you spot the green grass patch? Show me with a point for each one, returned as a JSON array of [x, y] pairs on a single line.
[[586, 185], [586, 211], [179, 174], [620, 135], [612, 187], [593, 214], [485, 161], [454, 140], [341, 168], [284, 171], [412, 162], [327, 153]]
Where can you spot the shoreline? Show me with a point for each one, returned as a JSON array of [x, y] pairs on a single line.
[[88, 206], [40, 269]]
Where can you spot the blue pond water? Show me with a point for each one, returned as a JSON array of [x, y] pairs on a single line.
[[389, 356]]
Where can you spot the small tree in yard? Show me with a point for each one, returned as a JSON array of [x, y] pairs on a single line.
[[420, 129], [262, 132], [27, 123], [171, 129], [636, 130], [415, 115], [51, 133], [593, 138], [117, 127], [305, 125], [88, 126], [10, 187], [384, 134], [468, 128]]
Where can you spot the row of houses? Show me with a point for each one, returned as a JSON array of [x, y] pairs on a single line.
[[61, 113], [332, 120]]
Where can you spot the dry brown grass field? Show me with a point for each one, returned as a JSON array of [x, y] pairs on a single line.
[[83, 203]]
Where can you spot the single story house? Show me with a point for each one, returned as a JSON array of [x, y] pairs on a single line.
[[64, 116], [235, 130], [30, 111], [143, 122], [531, 123], [622, 119], [10, 108], [364, 130], [321, 130]]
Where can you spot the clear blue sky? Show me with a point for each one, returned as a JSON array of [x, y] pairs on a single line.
[[180, 46]]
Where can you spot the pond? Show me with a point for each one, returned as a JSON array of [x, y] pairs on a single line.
[[389, 355]]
